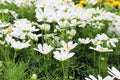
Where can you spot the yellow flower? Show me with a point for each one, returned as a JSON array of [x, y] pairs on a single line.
[[107, 3], [115, 4], [83, 2], [79, 5], [111, 1], [99, 1], [119, 6]]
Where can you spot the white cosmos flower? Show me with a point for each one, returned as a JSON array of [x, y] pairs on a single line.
[[17, 44], [44, 49], [62, 55], [74, 22], [72, 32], [63, 24], [47, 14], [101, 49], [63, 13], [101, 37], [98, 24], [45, 27], [114, 72], [22, 3], [117, 29], [84, 41], [111, 41], [17, 32], [7, 30], [91, 77], [25, 25], [68, 46], [34, 36], [21, 28], [83, 23], [47, 36], [96, 42], [58, 28]]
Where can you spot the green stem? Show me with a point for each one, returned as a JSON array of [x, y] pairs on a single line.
[[103, 63], [54, 32], [94, 58], [3, 17], [14, 55], [99, 64], [63, 69], [46, 68], [42, 37], [63, 35]]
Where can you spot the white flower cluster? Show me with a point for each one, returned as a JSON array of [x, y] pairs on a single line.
[[57, 20], [18, 3], [65, 16], [64, 52], [99, 41], [102, 39], [60, 54], [22, 30], [113, 72]]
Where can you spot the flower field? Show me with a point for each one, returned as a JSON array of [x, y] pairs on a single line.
[[59, 40]]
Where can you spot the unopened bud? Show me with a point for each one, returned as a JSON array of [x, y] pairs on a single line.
[[34, 77]]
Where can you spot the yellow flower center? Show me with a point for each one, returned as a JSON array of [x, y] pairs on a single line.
[[9, 31], [101, 49], [68, 47], [108, 39], [95, 42]]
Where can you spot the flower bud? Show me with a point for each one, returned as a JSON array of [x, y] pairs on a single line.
[[34, 77]]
